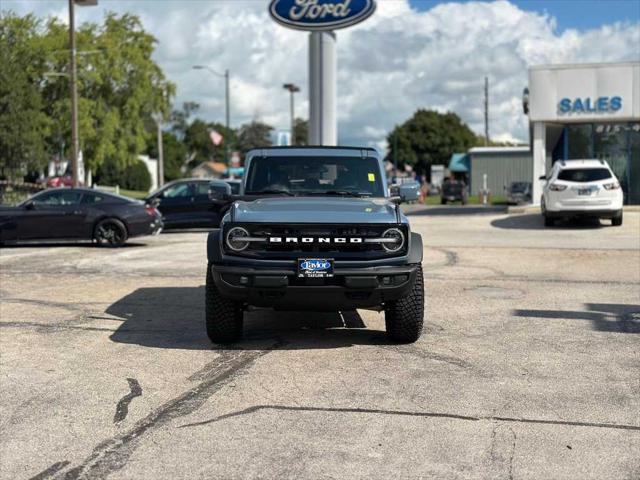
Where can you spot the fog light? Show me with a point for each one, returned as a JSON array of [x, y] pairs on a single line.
[[244, 280]]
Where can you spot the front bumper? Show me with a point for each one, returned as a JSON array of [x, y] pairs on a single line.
[[348, 289], [583, 213]]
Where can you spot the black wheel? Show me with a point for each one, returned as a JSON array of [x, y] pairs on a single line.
[[548, 221], [443, 201], [617, 220], [463, 201], [404, 318], [223, 316], [110, 232]]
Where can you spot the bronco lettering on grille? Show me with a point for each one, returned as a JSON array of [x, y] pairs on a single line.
[[316, 240]]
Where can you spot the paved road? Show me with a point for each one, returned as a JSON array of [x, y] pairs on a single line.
[[529, 366]]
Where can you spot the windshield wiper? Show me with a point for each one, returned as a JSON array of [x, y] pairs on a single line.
[[270, 191]]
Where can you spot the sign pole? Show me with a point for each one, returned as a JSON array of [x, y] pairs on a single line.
[[323, 128]]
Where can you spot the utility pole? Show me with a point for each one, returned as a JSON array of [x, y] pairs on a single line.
[[292, 90], [74, 95], [486, 111], [158, 119], [395, 156], [227, 98], [75, 143]]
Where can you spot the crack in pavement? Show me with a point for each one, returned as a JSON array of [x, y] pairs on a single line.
[[55, 327], [114, 453], [428, 355], [122, 408], [46, 473], [406, 413], [502, 451]]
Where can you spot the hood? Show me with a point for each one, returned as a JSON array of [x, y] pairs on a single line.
[[315, 210]]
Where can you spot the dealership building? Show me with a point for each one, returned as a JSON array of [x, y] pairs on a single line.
[[586, 111]]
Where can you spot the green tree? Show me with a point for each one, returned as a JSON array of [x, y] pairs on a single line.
[[254, 135], [175, 154], [301, 130], [23, 123], [200, 147], [180, 118], [119, 88], [429, 138], [136, 177]]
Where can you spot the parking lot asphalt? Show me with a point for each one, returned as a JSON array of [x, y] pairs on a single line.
[[529, 366]]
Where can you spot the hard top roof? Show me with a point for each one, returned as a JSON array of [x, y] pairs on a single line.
[[583, 163], [311, 150]]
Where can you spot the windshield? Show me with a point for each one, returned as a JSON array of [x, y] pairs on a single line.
[[518, 187], [584, 174], [315, 176]]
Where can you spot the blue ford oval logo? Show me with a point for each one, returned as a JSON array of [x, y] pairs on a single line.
[[321, 14], [315, 265]]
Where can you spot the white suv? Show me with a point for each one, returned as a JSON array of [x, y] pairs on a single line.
[[581, 188]]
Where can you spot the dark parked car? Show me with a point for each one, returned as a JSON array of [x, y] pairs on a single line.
[[519, 192], [185, 204], [78, 213], [454, 191]]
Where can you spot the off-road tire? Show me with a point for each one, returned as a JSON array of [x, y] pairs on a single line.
[[110, 232], [617, 220], [404, 318], [223, 316]]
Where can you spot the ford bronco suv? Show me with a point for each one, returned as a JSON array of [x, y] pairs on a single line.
[[313, 228]]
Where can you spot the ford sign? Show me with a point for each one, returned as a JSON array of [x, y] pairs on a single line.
[[321, 14]]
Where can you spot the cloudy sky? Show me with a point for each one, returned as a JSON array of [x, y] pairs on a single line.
[[409, 55]]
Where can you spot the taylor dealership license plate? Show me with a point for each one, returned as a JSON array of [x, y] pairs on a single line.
[[315, 267]]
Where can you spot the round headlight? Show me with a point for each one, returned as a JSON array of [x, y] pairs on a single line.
[[398, 237], [234, 239]]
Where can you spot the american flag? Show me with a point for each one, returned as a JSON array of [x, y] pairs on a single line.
[[215, 137]]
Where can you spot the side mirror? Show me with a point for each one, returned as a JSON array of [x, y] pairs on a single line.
[[30, 205], [409, 192], [219, 191], [542, 177], [154, 202]]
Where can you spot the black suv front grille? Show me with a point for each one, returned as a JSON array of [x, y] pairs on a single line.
[[334, 241]]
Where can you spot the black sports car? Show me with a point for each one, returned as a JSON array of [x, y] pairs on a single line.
[[185, 203], [78, 213]]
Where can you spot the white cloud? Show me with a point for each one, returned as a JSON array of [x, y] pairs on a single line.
[[399, 60]]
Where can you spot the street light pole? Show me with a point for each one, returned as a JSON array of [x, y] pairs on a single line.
[[227, 98], [227, 115], [160, 170], [74, 95], [75, 143], [292, 90]]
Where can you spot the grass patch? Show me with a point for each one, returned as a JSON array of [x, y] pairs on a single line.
[[134, 194]]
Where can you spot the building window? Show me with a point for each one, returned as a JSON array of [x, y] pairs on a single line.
[[634, 164], [617, 143], [579, 141]]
